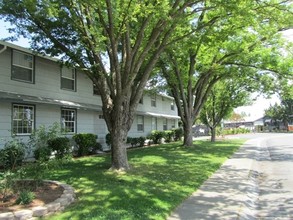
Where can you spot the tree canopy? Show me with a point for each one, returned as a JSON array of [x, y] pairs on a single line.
[[238, 40]]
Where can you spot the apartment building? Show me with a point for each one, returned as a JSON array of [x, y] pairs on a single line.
[[36, 90]]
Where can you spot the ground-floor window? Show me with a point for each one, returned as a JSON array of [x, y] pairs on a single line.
[[140, 123], [154, 123], [173, 123], [23, 119], [165, 124], [68, 120]]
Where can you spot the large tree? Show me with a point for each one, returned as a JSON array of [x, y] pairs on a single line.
[[223, 98], [236, 39], [115, 42]]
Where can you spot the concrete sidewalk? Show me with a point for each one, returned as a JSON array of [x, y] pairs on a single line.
[[230, 193]]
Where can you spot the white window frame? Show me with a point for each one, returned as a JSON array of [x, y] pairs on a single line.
[[65, 121], [173, 125], [72, 79], [23, 118], [140, 123], [153, 101], [154, 123], [30, 68], [165, 124], [172, 106], [95, 90]]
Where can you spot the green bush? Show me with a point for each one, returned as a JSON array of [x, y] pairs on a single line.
[[42, 153], [141, 141], [95, 148], [156, 136], [178, 134], [84, 141], [134, 141], [7, 183], [12, 154], [25, 197], [61, 146], [38, 141], [108, 140], [169, 135]]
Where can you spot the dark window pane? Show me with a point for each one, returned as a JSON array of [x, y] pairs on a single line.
[[20, 73]]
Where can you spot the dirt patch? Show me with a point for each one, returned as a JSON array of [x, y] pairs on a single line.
[[45, 193]]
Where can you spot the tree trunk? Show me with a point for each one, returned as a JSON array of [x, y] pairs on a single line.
[[213, 132], [188, 133], [119, 151], [119, 123]]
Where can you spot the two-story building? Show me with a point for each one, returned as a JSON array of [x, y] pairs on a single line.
[[36, 90]]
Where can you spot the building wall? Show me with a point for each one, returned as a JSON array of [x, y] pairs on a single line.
[[47, 84]]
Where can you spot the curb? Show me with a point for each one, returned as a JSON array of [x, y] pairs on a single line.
[[59, 204]]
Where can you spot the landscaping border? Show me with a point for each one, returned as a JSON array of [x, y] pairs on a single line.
[[67, 197]]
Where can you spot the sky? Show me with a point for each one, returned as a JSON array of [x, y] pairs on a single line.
[[255, 111]]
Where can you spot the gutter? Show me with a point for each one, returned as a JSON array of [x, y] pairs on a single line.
[[3, 49]]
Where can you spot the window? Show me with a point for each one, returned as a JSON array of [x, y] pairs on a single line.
[[165, 124], [173, 123], [95, 89], [154, 123], [140, 123], [68, 79], [141, 100], [153, 101], [22, 67], [68, 120], [172, 106], [23, 119]]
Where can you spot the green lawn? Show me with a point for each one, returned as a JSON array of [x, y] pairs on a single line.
[[160, 179]]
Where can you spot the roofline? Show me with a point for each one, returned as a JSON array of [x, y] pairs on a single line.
[[27, 50]]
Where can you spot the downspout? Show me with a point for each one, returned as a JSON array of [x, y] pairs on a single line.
[[3, 49]]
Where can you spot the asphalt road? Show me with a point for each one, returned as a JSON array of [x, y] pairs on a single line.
[[275, 178], [255, 184]]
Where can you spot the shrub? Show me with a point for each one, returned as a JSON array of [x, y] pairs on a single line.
[[108, 139], [42, 153], [178, 134], [156, 136], [60, 145], [84, 141], [12, 154], [7, 182], [39, 140], [25, 197], [141, 141], [134, 141], [95, 148], [169, 135]]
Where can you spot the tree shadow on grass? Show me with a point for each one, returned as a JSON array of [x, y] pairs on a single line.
[[161, 178]]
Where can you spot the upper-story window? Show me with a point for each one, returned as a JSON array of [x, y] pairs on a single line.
[[22, 66], [68, 78], [153, 101], [95, 89], [172, 106], [23, 119], [141, 100]]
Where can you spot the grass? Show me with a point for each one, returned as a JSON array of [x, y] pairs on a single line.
[[160, 179]]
